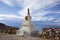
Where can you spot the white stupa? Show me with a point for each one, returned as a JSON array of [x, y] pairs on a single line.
[[27, 27]]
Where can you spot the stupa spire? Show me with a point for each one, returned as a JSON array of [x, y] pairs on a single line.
[[28, 11]]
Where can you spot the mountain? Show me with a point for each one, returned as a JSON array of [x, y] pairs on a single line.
[[7, 29], [45, 24], [38, 24]]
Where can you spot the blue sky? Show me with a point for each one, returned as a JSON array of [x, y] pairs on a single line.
[[12, 12]]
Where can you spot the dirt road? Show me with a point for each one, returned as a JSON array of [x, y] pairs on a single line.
[[14, 37]]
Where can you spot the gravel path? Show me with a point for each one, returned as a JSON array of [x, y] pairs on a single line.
[[14, 37]]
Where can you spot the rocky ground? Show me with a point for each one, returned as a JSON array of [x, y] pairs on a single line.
[[14, 37]]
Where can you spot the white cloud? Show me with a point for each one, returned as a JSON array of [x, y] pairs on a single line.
[[35, 19], [8, 2], [51, 19], [40, 14], [11, 17], [8, 16], [34, 5], [58, 12], [1, 18], [57, 20]]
